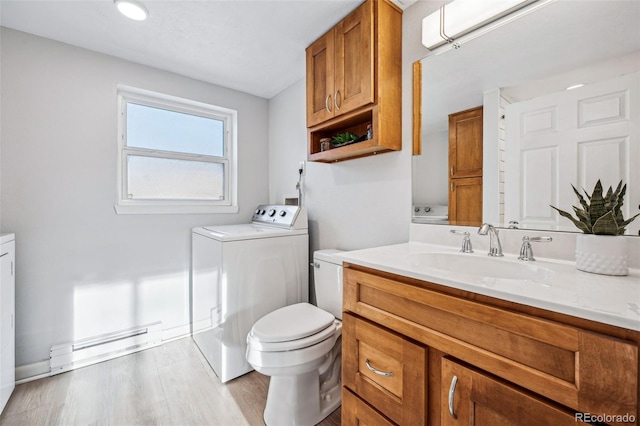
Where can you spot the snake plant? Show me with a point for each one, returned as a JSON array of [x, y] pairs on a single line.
[[344, 138], [600, 214]]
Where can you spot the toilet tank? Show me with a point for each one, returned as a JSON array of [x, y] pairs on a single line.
[[327, 276]]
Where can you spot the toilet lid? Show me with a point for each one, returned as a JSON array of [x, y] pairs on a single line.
[[293, 345], [291, 323]]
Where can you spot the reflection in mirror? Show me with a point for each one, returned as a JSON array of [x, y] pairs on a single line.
[[538, 137]]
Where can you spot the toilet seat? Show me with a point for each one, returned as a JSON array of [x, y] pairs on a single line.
[[292, 344], [292, 327]]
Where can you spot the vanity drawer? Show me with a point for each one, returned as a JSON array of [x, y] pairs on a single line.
[[385, 369], [357, 412], [585, 371]]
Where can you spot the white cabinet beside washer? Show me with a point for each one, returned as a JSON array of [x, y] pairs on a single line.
[[7, 318]]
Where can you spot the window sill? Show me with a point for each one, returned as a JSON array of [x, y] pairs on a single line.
[[172, 209]]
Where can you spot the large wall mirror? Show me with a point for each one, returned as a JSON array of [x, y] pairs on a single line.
[[538, 138]]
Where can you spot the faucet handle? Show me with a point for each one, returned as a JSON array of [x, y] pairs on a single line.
[[466, 241], [526, 252]]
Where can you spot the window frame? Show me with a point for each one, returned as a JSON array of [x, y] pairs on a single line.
[[124, 205]]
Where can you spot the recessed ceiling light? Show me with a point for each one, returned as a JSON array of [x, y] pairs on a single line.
[[575, 86], [132, 9]]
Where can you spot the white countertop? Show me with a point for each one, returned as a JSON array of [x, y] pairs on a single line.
[[606, 299]]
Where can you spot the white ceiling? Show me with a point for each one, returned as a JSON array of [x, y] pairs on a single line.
[[255, 46]]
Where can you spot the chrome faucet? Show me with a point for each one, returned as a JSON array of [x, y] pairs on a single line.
[[526, 252], [466, 241], [495, 248]]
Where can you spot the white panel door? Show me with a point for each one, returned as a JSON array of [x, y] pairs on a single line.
[[569, 138]]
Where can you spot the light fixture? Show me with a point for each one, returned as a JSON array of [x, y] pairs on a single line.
[[132, 9], [462, 17]]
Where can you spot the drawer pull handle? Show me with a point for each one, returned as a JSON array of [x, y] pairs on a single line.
[[326, 103], [378, 372], [452, 391]]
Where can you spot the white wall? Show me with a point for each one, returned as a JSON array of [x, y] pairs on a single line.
[[287, 140], [430, 170], [83, 270]]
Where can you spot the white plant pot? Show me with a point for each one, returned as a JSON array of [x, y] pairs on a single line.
[[602, 254]]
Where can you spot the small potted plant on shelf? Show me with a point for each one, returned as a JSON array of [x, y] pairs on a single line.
[[601, 248], [344, 139]]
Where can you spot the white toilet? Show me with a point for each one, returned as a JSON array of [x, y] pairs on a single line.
[[300, 347]]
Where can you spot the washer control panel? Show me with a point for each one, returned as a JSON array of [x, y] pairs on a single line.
[[280, 215], [430, 214]]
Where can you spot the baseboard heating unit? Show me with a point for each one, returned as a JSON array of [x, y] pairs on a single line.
[[69, 356]]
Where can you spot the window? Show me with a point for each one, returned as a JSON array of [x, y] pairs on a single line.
[[175, 155]]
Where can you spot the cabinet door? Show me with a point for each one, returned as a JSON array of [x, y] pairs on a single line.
[[7, 330], [465, 201], [320, 80], [473, 398], [354, 60], [465, 144], [385, 369]]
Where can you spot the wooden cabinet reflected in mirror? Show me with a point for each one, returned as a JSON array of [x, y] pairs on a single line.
[[465, 167]]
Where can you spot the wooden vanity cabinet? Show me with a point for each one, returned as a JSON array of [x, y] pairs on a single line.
[[354, 81], [511, 360], [465, 167]]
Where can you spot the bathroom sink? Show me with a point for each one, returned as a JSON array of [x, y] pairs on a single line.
[[481, 266]]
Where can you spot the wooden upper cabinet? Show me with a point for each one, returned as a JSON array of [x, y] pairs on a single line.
[[320, 81], [465, 144], [340, 67], [354, 60], [354, 83]]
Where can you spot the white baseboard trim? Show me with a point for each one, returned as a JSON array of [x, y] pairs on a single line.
[[175, 333], [41, 369], [29, 372]]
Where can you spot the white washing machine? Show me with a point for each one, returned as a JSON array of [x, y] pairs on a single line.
[[239, 273]]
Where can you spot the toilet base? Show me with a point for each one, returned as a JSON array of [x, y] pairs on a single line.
[[299, 400]]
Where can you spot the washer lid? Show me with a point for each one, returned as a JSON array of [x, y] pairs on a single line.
[[291, 322], [244, 231]]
